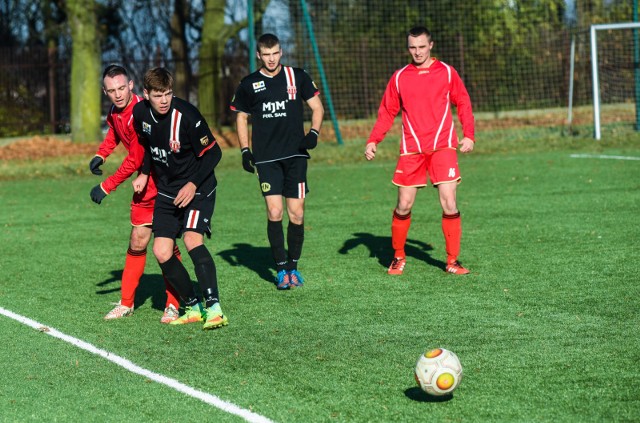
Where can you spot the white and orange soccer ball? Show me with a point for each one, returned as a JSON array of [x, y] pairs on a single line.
[[438, 372]]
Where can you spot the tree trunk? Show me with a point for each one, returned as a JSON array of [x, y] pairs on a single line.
[[85, 71], [211, 52], [182, 74]]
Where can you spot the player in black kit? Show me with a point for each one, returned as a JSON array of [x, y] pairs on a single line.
[[274, 97], [183, 154]]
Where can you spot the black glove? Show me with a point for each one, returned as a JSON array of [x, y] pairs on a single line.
[[97, 194], [247, 160], [310, 141], [94, 165]]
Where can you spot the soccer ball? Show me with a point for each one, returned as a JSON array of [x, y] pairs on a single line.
[[438, 372]]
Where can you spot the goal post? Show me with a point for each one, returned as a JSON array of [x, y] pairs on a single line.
[[596, 76]]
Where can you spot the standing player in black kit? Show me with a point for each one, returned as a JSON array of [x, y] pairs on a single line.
[[183, 153], [274, 96]]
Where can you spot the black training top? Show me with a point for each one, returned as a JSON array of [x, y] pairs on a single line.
[[276, 105], [179, 145]]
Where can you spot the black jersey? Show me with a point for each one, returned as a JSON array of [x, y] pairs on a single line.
[[276, 105], [181, 146]]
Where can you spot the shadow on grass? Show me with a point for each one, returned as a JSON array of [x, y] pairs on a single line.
[[417, 394], [380, 248], [151, 287], [257, 259]]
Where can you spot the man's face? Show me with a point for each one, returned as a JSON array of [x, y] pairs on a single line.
[[118, 89], [419, 48], [160, 100], [270, 57]]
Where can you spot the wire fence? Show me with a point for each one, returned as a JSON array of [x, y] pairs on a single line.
[[509, 59]]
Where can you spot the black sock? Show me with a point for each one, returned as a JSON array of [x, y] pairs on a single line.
[[179, 278], [205, 270], [295, 239], [276, 240]]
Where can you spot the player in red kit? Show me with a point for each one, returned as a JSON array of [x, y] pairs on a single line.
[[424, 91], [118, 87]]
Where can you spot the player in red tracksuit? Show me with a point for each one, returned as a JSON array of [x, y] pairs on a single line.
[[118, 87], [424, 91]]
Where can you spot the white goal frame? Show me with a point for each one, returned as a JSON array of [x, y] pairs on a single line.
[[594, 68]]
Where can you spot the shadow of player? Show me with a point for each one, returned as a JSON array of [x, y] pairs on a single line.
[[380, 248], [257, 259], [151, 287]]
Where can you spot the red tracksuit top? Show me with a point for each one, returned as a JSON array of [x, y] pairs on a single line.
[[425, 97], [121, 129]]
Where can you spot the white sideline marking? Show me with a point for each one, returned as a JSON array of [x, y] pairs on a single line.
[[602, 156], [123, 362]]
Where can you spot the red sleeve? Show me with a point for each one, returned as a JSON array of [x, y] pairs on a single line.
[[389, 108], [460, 97], [109, 143], [129, 166]]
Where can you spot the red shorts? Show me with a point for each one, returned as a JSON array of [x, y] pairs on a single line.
[[441, 166], [142, 205]]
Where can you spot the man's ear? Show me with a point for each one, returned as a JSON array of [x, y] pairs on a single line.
[[146, 94]]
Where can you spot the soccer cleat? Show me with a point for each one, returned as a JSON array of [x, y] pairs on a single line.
[[214, 318], [397, 266], [170, 314], [456, 268], [191, 315], [118, 312], [295, 278], [283, 280]]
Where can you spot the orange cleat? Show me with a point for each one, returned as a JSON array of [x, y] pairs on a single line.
[[456, 268], [397, 266]]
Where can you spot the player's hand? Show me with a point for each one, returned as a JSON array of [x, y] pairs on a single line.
[[310, 141], [248, 162], [185, 195], [370, 151], [466, 145], [94, 165], [140, 182], [97, 194]]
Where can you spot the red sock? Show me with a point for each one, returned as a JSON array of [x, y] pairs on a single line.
[[133, 270], [172, 294], [452, 230], [399, 231]]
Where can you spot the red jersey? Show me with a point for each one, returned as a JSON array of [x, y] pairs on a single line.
[[121, 129], [425, 97]]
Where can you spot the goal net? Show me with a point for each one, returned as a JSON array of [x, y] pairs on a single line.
[[615, 50]]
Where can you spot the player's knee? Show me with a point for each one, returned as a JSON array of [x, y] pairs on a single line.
[[296, 218], [274, 214], [162, 253], [140, 238]]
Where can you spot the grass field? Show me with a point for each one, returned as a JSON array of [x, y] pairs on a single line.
[[546, 325]]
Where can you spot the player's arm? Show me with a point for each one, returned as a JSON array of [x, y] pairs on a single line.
[[105, 149], [460, 98], [242, 129], [317, 113], [208, 154], [131, 163], [387, 112]]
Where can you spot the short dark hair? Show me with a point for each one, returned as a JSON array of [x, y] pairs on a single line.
[[417, 31], [157, 79], [114, 70], [267, 41]]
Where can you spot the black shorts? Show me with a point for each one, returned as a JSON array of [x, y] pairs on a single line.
[[169, 221], [286, 177]]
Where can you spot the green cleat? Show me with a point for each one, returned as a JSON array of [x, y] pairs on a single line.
[[191, 315], [214, 318]]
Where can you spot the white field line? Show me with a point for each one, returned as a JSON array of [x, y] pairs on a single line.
[[602, 156], [123, 362]]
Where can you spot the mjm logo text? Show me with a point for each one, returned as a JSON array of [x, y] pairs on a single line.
[[272, 109]]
